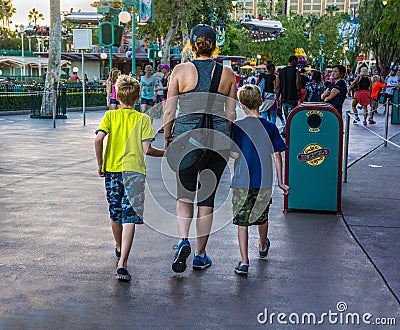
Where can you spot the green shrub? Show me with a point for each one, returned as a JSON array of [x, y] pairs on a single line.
[[74, 99], [15, 102]]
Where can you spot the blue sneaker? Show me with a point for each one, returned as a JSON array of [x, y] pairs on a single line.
[[200, 263], [264, 253], [181, 253], [242, 269]]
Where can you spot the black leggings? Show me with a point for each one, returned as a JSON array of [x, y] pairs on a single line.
[[204, 181]]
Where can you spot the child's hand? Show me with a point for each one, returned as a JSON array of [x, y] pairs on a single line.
[[284, 188], [100, 171]]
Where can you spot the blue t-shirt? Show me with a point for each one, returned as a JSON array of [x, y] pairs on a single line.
[[148, 85], [338, 101], [255, 139]]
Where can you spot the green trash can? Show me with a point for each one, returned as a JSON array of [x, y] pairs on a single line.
[[313, 161], [396, 108]]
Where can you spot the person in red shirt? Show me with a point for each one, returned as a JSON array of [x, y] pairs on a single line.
[[377, 85]]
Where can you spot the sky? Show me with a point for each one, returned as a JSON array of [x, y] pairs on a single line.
[[43, 6]]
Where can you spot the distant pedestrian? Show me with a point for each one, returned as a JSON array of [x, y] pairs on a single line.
[[362, 95], [148, 96], [303, 82], [266, 82], [254, 139], [392, 83], [159, 92], [164, 82], [377, 86], [252, 79], [123, 167], [288, 87], [74, 77], [314, 88], [113, 103], [336, 93]]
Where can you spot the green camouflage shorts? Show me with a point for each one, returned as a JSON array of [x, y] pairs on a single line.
[[250, 206]]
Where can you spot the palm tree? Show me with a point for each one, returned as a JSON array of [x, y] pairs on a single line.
[[331, 9], [6, 12], [54, 67], [34, 16]]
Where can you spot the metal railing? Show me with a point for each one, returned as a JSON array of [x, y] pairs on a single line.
[[36, 98], [29, 96]]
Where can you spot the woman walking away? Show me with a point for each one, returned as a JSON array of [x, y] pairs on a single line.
[[362, 95], [269, 108], [190, 81], [111, 91]]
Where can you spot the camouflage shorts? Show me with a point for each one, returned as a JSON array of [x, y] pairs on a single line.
[[125, 196], [250, 206]]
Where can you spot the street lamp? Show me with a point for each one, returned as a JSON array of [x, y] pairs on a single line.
[[103, 56], [21, 30], [124, 17]]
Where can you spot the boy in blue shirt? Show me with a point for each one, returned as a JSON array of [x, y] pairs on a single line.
[[254, 140]]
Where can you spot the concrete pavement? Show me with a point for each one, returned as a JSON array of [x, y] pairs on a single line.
[[57, 260]]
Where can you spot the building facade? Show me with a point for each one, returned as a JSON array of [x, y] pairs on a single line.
[[319, 7], [253, 8]]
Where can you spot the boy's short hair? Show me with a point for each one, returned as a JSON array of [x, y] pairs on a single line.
[[250, 96], [128, 89]]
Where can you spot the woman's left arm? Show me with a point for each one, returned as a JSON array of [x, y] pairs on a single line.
[[334, 92], [170, 105]]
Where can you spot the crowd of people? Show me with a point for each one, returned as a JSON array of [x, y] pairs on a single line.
[[264, 98], [284, 88], [153, 90]]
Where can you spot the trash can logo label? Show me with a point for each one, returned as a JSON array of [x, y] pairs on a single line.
[[313, 154]]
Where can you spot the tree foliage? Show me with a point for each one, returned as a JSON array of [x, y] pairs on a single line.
[[379, 31], [7, 11], [34, 16]]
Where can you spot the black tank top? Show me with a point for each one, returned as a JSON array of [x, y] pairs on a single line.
[[164, 82], [364, 83], [287, 77]]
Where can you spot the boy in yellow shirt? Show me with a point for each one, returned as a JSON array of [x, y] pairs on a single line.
[[129, 137]]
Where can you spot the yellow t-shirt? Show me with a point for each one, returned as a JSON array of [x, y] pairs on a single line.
[[126, 129]]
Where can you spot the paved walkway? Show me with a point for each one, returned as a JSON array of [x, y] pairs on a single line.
[[57, 262]]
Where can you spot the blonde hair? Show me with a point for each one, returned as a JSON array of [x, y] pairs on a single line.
[[250, 96], [128, 90], [114, 75], [202, 47], [375, 79]]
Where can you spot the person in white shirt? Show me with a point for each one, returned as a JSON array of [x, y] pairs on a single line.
[[392, 82]]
